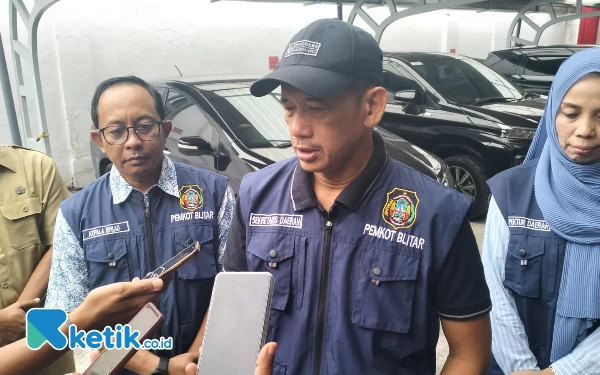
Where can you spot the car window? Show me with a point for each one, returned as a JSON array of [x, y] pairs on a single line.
[[397, 78], [188, 119], [256, 122], [543, 65], [465, 81], [506, 63]]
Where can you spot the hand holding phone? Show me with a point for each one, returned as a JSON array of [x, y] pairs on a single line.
[[112, 361], [177, 261]]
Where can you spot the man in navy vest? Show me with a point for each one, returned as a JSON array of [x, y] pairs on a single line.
[[132, 220], [368, 254]]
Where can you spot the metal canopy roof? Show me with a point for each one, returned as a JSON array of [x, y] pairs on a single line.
[[27, 70], [561, 6]]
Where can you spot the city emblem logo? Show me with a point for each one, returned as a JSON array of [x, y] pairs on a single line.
[[400, 209], [190, 197]]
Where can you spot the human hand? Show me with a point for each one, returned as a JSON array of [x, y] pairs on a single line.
[[264, 363], [115, 303], [547, 371], [12, 320], [178, 364]]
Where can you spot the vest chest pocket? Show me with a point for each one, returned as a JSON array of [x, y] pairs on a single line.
[[203, 265], [385, 290], [274, 253], [524, 264], [20, 221], [107, 262]]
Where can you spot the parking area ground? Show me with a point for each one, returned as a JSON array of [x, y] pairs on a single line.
[[82, 356]]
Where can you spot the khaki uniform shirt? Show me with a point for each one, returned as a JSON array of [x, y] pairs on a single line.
[[31, 191]]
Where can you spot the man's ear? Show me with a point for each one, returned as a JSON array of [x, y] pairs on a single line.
[[97, 138], [376, 101], [167, 127]]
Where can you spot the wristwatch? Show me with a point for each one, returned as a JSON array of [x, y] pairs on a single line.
[[162, 367]]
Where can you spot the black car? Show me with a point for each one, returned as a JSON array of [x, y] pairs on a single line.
[[473, 118], [532, 68], [219, 126]]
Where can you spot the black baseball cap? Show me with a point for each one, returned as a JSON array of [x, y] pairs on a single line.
[[324, 58]]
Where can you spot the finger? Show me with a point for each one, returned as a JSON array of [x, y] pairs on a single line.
[[264, 363], [193, 356], [191, 369], [139, 288], [26, 305], [94, 355], [135, 279]]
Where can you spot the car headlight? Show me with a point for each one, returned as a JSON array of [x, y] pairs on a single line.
[[516, 132]]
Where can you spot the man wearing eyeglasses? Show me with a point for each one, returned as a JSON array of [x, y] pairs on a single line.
[[133, 219]]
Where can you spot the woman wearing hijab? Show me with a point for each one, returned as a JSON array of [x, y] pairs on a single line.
[[542, 243]]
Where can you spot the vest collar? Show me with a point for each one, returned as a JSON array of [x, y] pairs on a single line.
[[302, 194], [7, 159], [167, 182]]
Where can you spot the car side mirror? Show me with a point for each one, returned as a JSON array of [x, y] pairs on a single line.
[[195, 146], [405, 96]]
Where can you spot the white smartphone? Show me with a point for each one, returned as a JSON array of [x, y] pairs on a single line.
[[238, 320]]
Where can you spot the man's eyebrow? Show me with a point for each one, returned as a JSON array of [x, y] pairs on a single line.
[[312, 99]]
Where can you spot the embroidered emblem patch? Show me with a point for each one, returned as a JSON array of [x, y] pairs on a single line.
[[400, 209], [190, 197], [303, 47]]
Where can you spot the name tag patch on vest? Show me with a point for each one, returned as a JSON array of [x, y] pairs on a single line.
[[105, 230], [394, 236], [197, 215], [276, 220], [527, 223]]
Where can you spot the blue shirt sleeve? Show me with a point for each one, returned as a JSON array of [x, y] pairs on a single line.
[[69, 279], [585, 359], [509, 340], [225, 218]]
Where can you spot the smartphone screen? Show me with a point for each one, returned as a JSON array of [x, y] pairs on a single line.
[[237, 323], [177, 261], [112, 361]]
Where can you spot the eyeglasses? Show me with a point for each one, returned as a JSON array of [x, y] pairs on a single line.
[[118, 135]]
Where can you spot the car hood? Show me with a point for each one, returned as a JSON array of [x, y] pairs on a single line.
[[275, 154], [524, 113]]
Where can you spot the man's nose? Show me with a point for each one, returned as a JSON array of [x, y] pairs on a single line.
[[300, 125], [133, 141]]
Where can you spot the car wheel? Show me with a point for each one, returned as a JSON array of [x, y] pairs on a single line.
[[470, 177]]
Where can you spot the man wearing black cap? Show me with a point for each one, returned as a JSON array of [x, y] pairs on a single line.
[[368, 254]]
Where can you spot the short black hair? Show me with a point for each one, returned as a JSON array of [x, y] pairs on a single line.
[[158, 101]]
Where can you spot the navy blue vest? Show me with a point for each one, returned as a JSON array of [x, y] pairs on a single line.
[[534, 261], [118, 239], [367, 271]]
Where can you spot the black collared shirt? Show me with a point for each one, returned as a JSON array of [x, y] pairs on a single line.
[[456, 295]]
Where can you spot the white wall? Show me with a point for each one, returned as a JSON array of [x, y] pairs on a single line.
[[85, 42]]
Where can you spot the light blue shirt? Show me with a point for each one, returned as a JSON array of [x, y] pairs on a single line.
[[69, 280], [509, 340]]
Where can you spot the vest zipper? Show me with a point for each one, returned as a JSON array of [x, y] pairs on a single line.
[[152, 256], [323, 297], [151, 253]]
